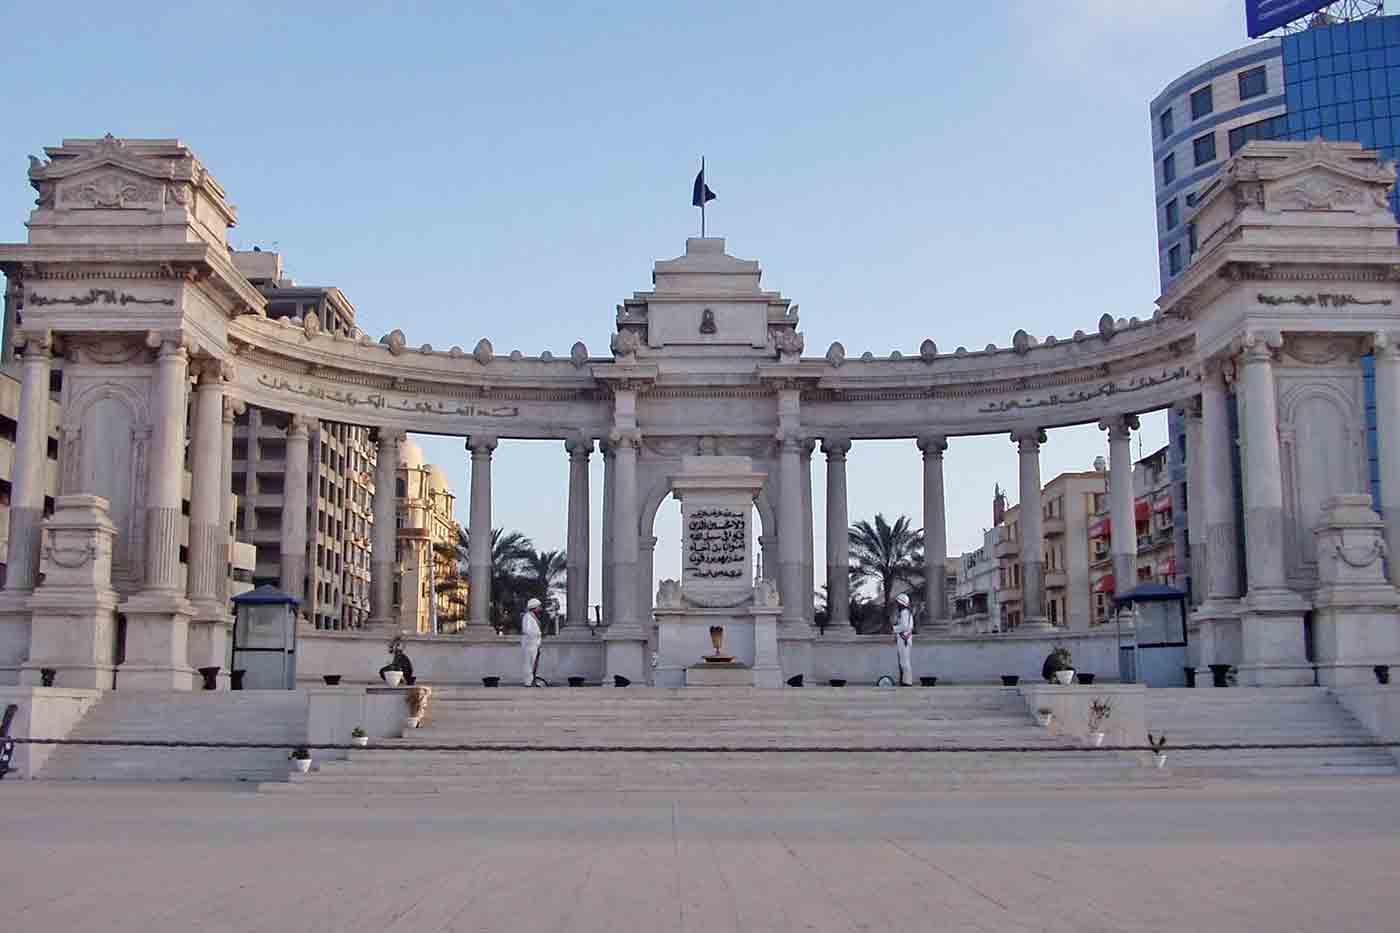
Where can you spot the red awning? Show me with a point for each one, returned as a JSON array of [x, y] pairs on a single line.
[[1105, 585], [1100, 529], [1162, 505], [1167, 568], [1141, 510]]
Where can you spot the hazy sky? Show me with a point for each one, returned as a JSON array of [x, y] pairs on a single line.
[[512, 170]]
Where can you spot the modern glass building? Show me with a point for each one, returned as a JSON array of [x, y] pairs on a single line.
[[1339, 81]]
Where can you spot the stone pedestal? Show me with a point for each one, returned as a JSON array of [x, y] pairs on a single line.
[[750, 638], [73, 630], [1356, 611], [210, 644], [1217, 635], [14, 635], [1273, 649]]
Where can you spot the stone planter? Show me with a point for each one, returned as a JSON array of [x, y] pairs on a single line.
[[1159, 760], [1065, 677], [393, 678], [1220, 675], [1010, 680], [1044, 719], [1097, 739], [1085, 679], [332, 680], [1382, 672], [359, 741], [235, 679], [576, 681], [211, 677], [411, 722], [490, 681], [928, 681], [302, 765], [838, 681]]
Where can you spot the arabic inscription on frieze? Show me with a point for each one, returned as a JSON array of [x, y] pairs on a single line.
[[1087, 394], [379, 401]]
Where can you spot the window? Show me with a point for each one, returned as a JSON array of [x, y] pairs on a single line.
[[1191, 238], [1173, 214], [1204, 148], [1174, 260], [1253, 83], [1165, 121], [1201, 103], [1169, 168], [401, 488]]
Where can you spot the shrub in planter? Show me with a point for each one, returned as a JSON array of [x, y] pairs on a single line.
[[301, 759], [359, 736], [1100, 708], [47, 675], [1057, 660]]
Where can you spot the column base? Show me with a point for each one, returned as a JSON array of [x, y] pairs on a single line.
[[157, 642], [210, 645], [73, 633], [1037, 625], [1273, 648], [15, 616], [796, 653], [624, 653], [1217, 635]]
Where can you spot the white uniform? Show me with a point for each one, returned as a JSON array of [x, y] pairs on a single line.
[[530, 644], [904, 645]]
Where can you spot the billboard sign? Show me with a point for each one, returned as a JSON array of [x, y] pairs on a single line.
[[1263, 16]]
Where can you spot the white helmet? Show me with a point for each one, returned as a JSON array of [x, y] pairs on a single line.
[[533, 604], [903, 600]]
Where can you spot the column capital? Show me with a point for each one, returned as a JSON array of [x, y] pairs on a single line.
[[933, 445], [481, 445], [168, 343], [809, 444], [1119, 427], [579, 447], [211, 371], [35, 344], [625, 437], [789, 439], [233, 408], [836, 448], [1029, 439], [302, 425], [1258, 346], [1386, 345], [389, 438], [1190, 408]]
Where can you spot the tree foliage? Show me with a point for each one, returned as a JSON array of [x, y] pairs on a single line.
[[885, 555]]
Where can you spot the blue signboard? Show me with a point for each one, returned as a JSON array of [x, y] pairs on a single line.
[[1263, 16]]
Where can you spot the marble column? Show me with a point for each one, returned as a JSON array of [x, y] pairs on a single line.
[[580, 449], [1122, 516], [479, 537], [227, 515], [838, 533], [208, 537], [1215, 497], [809, 572], [1032, 538], [385, 532], [790, 575], [646, 590], [1272, 645], [294, 506], [935, 533], [626, 546], [31, 452], [1386, 350], [609, 481], [166, 469], [1190, 506]]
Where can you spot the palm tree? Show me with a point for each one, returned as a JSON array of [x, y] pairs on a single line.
[[544, 577], [509, 552], [886, 555]]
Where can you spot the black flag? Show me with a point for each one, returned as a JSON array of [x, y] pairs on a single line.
[[702, 194]]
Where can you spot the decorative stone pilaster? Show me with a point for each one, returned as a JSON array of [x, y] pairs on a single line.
[[1272, 649], [790, 524], [1122, 520], [1032, 537], [809, 573], [74, 627], [294, 508], [479, 536], [838, 536], [935, 533], [1195, 517], [1386, 351], [1355, 608], [580, 449], [609, 481], [386, 471], [1212, 497], [208, 539], [626, 637], [232, 409]]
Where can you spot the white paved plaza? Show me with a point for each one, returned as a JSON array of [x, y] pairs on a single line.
[[1244, 856]]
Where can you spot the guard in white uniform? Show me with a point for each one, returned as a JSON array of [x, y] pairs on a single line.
[[904, 640], [530, 639]]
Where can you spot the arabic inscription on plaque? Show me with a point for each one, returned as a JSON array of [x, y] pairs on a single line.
[[716, 546]]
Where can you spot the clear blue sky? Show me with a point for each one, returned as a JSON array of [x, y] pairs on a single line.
[[511, 170]]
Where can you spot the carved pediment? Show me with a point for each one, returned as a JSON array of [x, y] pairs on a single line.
[[1325, 191], [110, 190]]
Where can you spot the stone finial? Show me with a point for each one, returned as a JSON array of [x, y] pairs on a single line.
[[426, 349], [765, 595], [625, 343], [311, 325], [516, 356], [1021, 342], [1106, 327], [896, 355], [394, 341], [546, 357], [928, 351], [789, 344], [836, 354], [578, 355], [456, 352], [668, 595], [483, 353]]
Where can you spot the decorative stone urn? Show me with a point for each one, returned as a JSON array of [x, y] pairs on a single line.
[[1355, 609]]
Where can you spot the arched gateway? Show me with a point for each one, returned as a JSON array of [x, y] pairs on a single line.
[[707, 392]]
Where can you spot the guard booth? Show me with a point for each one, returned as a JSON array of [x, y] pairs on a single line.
[[1159, 633], [265, 639]]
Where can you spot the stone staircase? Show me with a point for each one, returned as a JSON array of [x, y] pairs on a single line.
[[848, 721], [1259, 715], [245, 716]]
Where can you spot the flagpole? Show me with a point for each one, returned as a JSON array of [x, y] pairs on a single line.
[[702, 197]]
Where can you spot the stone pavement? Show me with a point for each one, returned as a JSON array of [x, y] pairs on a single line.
[[1304, 856]]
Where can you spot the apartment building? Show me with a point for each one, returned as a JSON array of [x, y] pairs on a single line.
[[430, 592]]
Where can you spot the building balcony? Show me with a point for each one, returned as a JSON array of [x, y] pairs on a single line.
[[1008, 547], [1053, 526], [1008, 595], [1056, 580]]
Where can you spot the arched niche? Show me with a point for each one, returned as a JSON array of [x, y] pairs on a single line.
[[105, 450], [1321, 441]]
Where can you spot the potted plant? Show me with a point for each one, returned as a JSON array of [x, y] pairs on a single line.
[[211, 677], [1220, 675], [1044, 715], [1099, 711], [359, 737], [1159, 757], [417, 706], [493, 681], [47, 674], [1010, 680], [1058, 666], [1382, 672], [1084, 678], [332, 680], [393, 678], [301, 759], [928, 681]]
